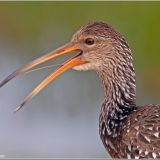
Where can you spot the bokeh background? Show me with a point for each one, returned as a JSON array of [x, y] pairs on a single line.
[[62, 121]]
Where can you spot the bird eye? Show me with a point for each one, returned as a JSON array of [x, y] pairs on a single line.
[[89, 41]]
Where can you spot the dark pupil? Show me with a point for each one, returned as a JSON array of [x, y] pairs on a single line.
[[89, 41]]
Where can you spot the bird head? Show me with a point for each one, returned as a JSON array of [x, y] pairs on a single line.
[[95, 44]]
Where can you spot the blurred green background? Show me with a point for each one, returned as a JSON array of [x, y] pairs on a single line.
[[62, 121]]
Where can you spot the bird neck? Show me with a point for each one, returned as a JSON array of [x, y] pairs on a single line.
[[120, 91]]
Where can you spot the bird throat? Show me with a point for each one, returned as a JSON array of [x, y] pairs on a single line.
[[119, 102]]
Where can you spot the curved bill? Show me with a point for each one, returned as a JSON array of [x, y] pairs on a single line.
[[74, 61], [70, 47]]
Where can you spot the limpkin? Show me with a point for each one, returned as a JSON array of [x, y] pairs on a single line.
[[127, 130]]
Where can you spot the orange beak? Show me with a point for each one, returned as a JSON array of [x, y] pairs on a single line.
[[74, 61]]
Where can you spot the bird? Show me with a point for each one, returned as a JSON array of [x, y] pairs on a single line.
[[127, 130]]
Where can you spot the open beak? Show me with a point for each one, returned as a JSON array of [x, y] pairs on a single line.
[[74, 61]]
